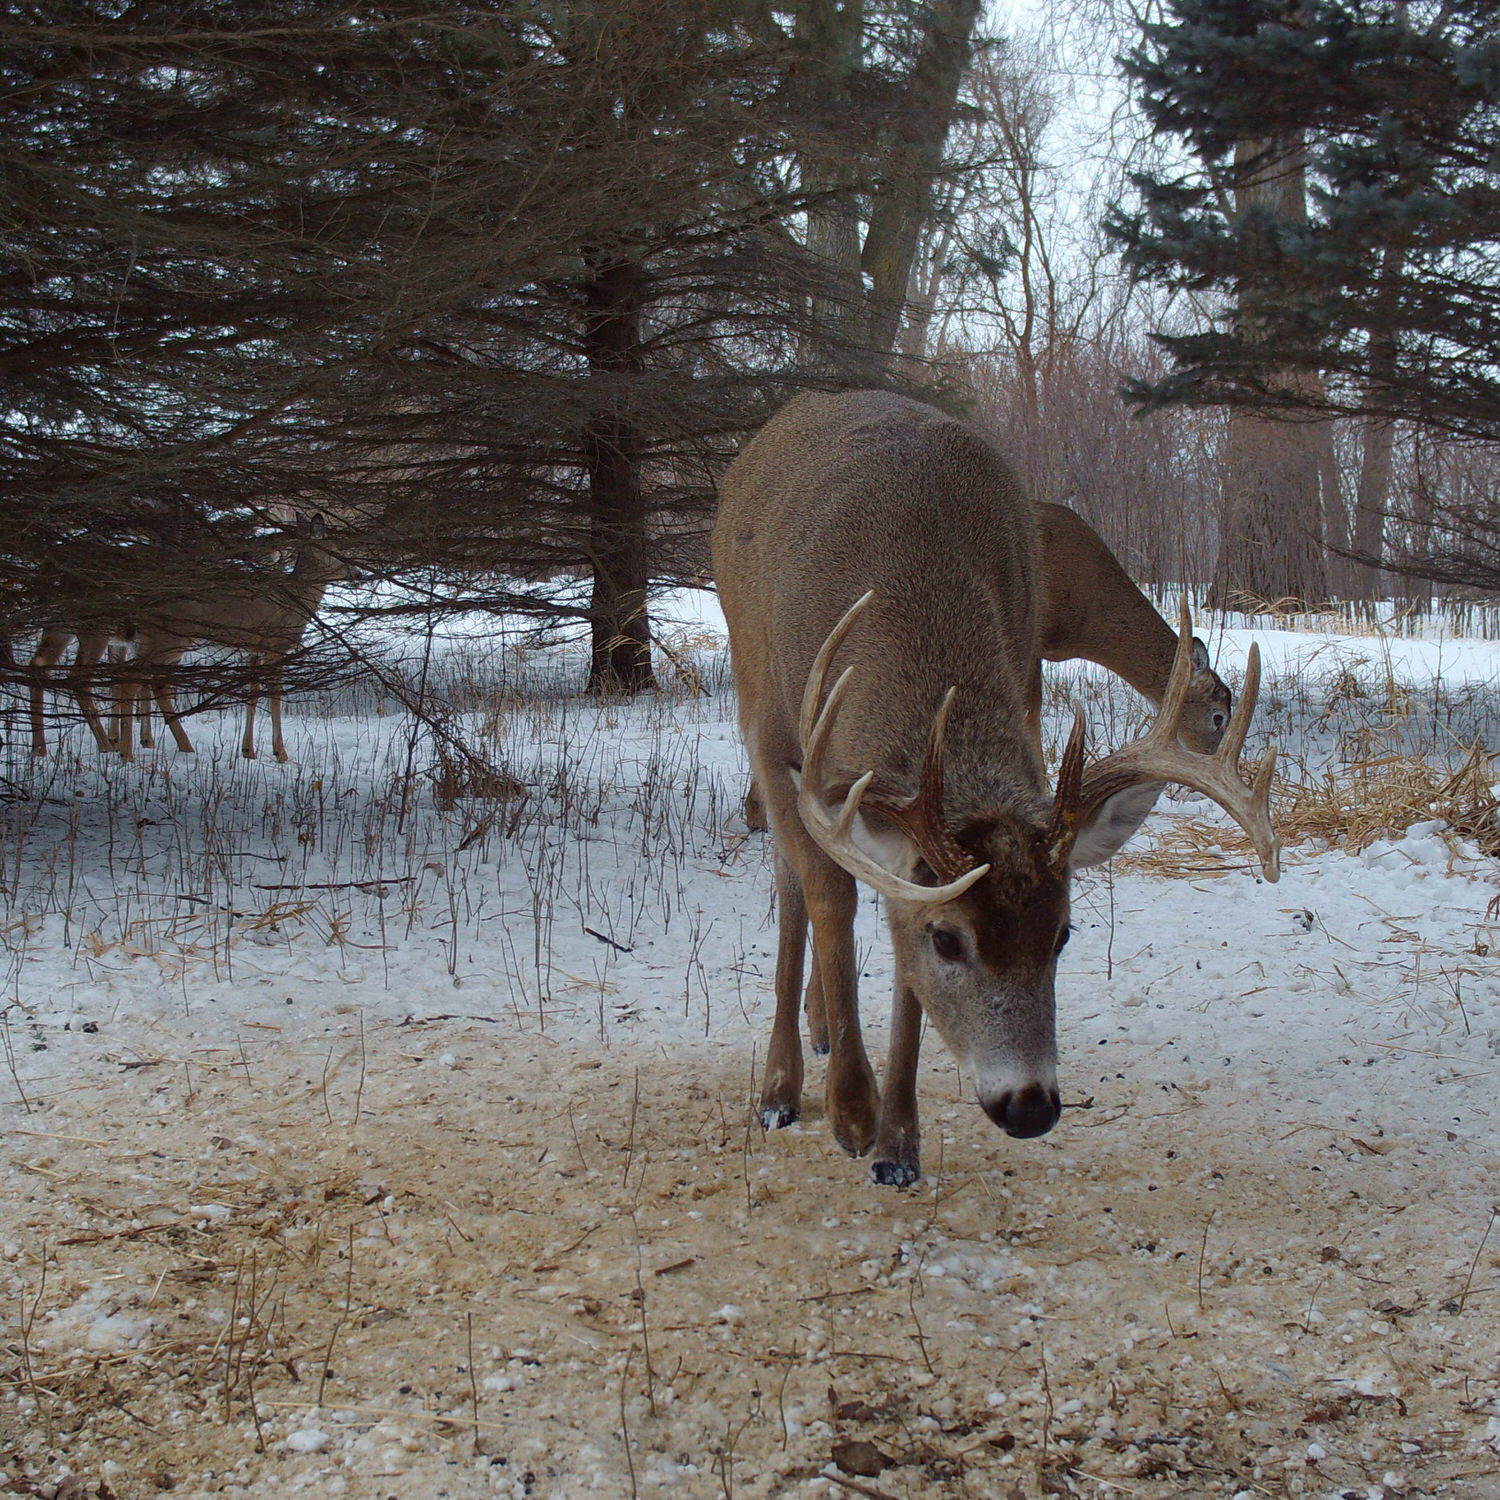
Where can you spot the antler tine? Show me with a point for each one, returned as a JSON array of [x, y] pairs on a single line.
[[930, 785], [922, 814], [817, 679], [814, 744], [1239, 720], [1180, 679], [1063, 824], [835, 835], [1165, 725]]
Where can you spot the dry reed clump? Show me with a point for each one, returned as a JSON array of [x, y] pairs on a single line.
[[1352, 804], [1394, 618], [1347, 805]]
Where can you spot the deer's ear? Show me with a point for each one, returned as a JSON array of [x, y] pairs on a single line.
[[1112, 826], [886, 844], [1200, 656]]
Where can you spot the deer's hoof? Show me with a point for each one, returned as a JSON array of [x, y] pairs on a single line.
[[778, 1116], [853, 1106], [896, 1174], [856, 1136]]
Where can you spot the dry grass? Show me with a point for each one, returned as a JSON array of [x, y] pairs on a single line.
[[1346, 805], [1358, 617], [549, 1271], [1352, 804]]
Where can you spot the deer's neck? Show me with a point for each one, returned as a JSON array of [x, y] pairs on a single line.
[[1112, 623]]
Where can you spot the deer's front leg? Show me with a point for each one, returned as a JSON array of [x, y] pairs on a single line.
[[273, 692], [781, 1091], [852, 1101], [897, 1160], [51, 646]]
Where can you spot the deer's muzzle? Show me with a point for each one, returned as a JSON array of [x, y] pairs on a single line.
[[1027, 1111]]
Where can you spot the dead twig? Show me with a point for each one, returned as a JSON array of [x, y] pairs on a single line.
[[1202, 1251], [1474, 1264]]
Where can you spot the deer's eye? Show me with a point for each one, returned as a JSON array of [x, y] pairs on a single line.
[[947, 944], [1062, 940]]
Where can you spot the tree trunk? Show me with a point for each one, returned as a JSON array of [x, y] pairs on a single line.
[[852, 319], [1270, 539], [1338, 568], [1419, 544], [834, 34], [1374, 479], [1271, 533], [613, 445]]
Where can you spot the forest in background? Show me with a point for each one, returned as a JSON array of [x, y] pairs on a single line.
[[498, 289]]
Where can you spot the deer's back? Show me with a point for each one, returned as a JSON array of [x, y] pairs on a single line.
[[272, 620], [843, 493]]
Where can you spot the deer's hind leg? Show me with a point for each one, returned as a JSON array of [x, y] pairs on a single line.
[[160, 680], [141, 707], [51, 646], [92, 647], [273, 694], [755, 809], [781, 1090], [817, 1012]]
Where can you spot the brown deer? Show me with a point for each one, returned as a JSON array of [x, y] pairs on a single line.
[[1090, 608], [268, 624], [878, 535]]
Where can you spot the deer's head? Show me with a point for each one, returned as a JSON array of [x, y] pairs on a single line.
[[1208, 705], [978, 911]]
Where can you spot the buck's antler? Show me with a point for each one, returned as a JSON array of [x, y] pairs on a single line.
[[920, 816], [1159, 756]]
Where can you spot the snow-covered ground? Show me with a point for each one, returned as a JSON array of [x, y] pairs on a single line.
[[306, 1073]]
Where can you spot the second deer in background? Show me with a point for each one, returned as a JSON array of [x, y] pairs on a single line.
[[267, 624], [1091, 608]]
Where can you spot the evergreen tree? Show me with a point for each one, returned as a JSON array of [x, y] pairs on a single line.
[[1383, 297], [497, 287]]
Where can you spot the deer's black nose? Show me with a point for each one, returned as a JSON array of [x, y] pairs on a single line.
[[1028, 1111]]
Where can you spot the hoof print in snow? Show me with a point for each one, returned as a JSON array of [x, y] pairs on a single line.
[[894, 1174]]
